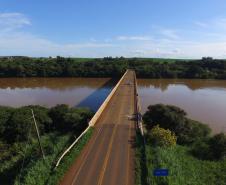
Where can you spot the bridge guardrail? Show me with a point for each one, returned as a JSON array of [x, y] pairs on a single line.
[[138, 109]]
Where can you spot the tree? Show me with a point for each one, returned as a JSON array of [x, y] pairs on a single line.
[[200, 149], [213, 148], [5, 114], [45, 123], [18, 125], [57, 114], [168, 117], [70, 119]]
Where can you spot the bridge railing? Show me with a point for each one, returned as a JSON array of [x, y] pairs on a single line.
[[138, 108]]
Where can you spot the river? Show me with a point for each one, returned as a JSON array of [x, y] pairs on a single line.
[[203, 100]]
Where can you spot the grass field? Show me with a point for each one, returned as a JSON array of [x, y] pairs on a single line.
[[183, 167], [141, 171]]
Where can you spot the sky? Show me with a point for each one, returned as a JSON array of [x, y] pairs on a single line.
[[100, 28]]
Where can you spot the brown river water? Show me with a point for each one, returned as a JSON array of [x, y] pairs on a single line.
[[203, 100]]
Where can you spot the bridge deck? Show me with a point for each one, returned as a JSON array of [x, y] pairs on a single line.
[[108, 158]]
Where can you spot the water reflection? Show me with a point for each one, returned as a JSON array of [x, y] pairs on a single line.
[[203, 100], [85, 92], [193, 84], [53, 83]]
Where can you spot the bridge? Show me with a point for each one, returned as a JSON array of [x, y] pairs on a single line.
[[108, 158]]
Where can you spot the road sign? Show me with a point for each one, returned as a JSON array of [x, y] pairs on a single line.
[[161, 172]]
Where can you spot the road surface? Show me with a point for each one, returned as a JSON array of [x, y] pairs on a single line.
[[108, 158]]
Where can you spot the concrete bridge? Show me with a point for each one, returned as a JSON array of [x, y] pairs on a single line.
[[108, 158]]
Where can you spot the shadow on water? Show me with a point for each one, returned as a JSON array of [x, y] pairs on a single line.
[[94, 100]]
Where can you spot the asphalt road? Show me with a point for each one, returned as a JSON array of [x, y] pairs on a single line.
[[108, 158]]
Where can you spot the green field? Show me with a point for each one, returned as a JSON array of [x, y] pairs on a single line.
[[183, 167]]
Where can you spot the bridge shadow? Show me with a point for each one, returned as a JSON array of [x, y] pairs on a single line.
[[94, 100]]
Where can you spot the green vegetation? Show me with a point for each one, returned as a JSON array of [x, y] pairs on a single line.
[[198, 158], [111, 67], [141, 171], [20, 156], [161, 137], [37, 170], [174, 119], [42, 171], [213, 148], [58, 173], [183, 167]]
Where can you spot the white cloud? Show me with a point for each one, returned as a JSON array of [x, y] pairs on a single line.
[[169, 33], [11, 21], [134, 38], [200, 24], [93, 40], [220, 23], [28, 44], [107, 40], [214, 49], [216, 23], [138, 53]]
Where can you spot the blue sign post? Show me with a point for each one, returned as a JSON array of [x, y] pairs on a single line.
[[161, 172]]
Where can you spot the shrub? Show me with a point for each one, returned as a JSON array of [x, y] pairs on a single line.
[[161, 137], [212, 149], [57, 114], [174, 119], [217, 146], [68, 119], [18, 122], [192, 131], [84, 116], [5, 113], [18, 125], [200, 149], [45, 123]]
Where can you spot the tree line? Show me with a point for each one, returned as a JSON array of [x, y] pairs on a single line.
[[112, 67]]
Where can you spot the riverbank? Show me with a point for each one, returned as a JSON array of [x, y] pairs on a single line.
[[197, 158]]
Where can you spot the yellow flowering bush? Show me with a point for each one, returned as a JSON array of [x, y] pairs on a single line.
[[162, 137]]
